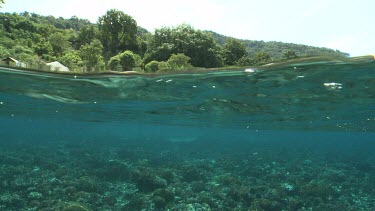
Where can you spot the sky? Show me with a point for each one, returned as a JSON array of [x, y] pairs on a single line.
[[345, 25]]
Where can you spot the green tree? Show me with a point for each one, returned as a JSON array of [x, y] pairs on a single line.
[[156, 66], [115, 63], [7, 42], [159, 53], [27, 58], [261, 58], [129, 60], [163, 66], [72, 60], [4, 52], [22, 53], [60, 43], [43, 47], [26, 25], [125, 61], [76, 24], [233, 51], [179, 61], [91, 55], [198, 45], [290, 54], [152, 66], [19, 49], [45, 30], [118, 32], [244, 61], [86, 35], [142, 45]]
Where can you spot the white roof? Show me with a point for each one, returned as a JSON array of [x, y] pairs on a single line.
[[12, 59], [57, 66]]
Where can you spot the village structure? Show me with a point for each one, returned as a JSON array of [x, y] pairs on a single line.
[[13, 62], [57, 66], [52, 66]]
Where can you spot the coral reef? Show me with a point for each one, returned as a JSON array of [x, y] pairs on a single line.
[[82, 177]]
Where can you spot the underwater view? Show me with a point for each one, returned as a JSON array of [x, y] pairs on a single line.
[[288, 136]]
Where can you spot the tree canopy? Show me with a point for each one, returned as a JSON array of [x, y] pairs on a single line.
[[196, 44], [233, 51], [91, 55], [289, 54], [116, 42], [126, 61], [118, 32]]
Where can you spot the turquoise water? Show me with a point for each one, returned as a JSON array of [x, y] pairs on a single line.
[[294, 136]]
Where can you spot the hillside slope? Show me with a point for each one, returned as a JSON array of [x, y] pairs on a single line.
[[276, 49]]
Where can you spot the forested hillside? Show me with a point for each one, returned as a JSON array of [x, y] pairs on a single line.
[[276, 49], [117, 43]]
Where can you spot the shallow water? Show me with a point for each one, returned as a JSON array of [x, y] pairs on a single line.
[[295, 136]]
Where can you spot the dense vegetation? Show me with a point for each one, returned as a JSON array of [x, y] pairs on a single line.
[[117, 43], [277, 50]]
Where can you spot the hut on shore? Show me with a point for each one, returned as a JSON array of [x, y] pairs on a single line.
[[13, 62], [57, 66]]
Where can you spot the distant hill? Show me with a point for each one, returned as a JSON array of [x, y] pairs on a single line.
[[141, 31], [276, 49]]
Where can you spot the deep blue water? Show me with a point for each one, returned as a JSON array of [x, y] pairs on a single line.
[[310, 122]]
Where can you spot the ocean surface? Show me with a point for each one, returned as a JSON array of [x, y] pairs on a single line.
[[288, 136]]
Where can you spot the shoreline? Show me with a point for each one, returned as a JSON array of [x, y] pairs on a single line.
[[197, 70]]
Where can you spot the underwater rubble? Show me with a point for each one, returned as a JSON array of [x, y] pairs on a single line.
[[151, 175]]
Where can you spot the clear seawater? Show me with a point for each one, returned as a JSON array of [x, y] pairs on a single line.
[[292, 136]]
